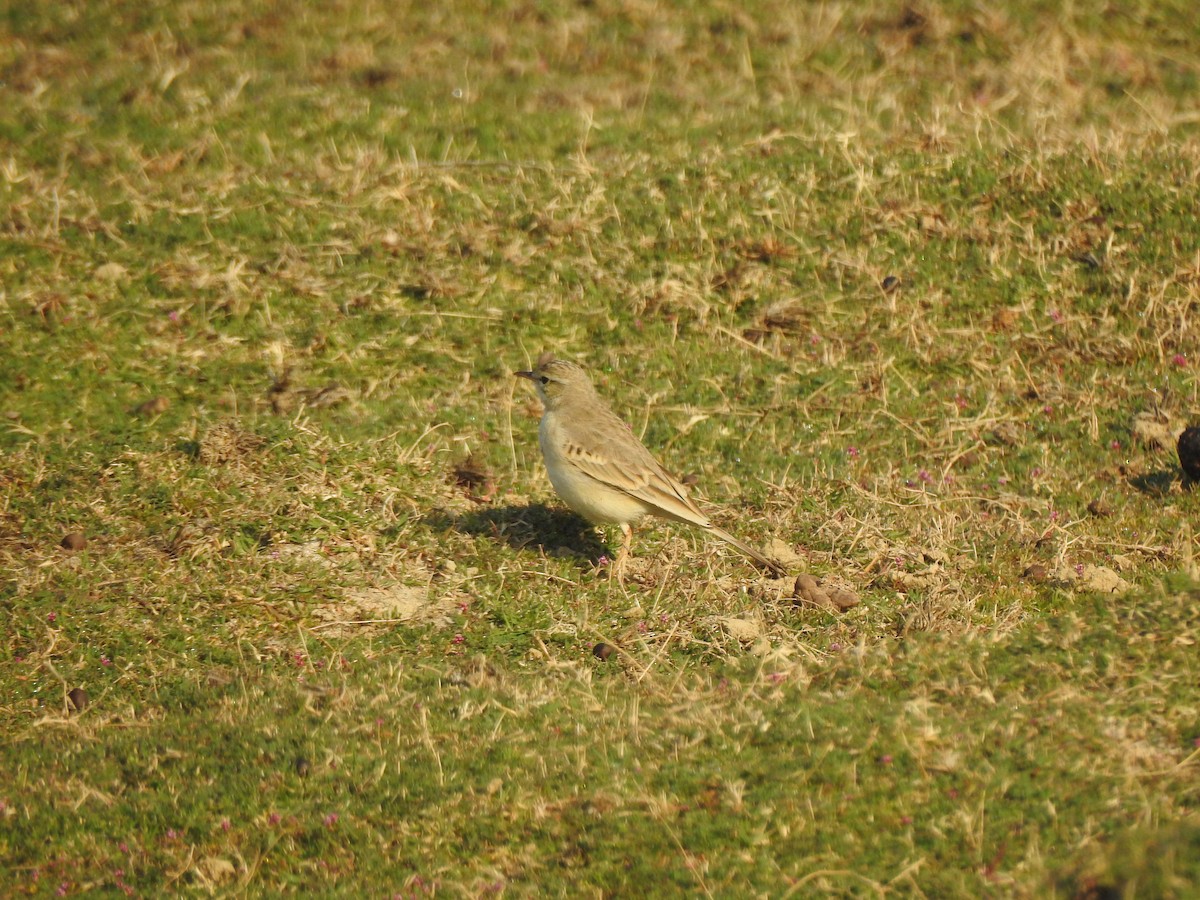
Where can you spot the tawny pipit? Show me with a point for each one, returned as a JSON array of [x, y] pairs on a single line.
[[601, 470]]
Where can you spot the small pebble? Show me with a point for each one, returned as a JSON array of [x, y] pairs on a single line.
[[73, 541], [843, 600]]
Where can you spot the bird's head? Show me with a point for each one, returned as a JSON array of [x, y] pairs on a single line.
[[557, 380]]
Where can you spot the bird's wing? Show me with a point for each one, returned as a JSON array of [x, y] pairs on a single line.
[[607, 450]]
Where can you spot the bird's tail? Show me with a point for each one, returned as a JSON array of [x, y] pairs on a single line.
[[746, 550]]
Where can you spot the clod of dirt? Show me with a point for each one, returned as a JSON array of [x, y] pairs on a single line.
[[155, 406], [1100, 508], [73, 541], [1005, 319], [476, 479], [1103, 580], [1098, 579], [1153, 430], [742, 630], [1188, 448], [782, 553], [603, 651], [79, 699], [1122, 563], [810, 592], [109, 272], [1035, 572]]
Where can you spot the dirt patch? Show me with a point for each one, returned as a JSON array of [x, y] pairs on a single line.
[[1155, 430], [373, 606], [1098, 579]]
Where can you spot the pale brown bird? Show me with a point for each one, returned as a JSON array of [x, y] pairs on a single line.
[[601, 469]]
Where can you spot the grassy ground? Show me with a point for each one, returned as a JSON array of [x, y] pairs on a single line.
[[912, 288]]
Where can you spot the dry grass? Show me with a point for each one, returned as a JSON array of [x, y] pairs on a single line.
[[910, 289]]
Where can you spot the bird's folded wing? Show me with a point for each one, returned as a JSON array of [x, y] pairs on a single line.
[[625, 465]]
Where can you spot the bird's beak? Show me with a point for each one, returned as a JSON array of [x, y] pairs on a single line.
[[528, 375]]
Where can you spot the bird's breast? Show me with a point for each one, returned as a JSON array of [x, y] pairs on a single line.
[[590, 497]]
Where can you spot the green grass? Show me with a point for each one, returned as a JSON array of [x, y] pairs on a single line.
[[907, 286]]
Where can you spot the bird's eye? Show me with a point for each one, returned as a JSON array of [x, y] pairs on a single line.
[[545, 379]]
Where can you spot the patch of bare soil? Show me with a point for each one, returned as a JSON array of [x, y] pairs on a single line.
[[391, 604]]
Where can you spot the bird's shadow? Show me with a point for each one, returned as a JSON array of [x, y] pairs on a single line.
[[1159, 484], [553, 532]]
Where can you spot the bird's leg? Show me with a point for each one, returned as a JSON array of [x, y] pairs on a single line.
[[618, 567]]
